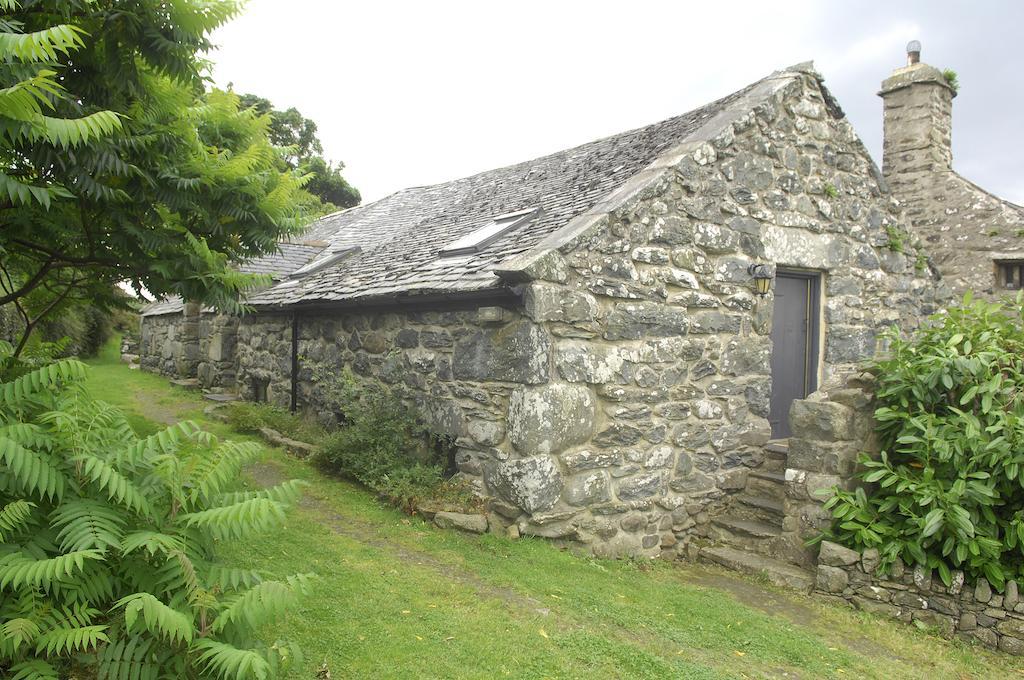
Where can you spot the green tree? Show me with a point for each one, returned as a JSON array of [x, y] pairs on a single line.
[[118, 165], [291, 130]]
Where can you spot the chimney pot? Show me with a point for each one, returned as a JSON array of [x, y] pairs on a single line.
[[913, 52]]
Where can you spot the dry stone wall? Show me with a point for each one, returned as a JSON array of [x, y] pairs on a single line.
[[975, 613]]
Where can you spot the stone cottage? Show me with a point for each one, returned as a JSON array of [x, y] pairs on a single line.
[[974, 238], [587, 325]]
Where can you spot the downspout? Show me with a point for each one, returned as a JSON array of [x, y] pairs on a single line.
[[295, 362]]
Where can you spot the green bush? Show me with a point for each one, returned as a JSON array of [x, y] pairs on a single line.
[[107, 565], [948, 490], [383, 444], [251, 417]]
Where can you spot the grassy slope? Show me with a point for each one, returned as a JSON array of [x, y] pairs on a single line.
[[398, 598]]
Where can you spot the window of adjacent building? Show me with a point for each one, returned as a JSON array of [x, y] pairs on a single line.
[[479, 239], [1010, 275]]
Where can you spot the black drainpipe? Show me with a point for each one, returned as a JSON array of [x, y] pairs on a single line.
[[295, 361]]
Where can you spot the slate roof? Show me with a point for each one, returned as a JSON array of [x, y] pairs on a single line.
[[290, 256], [400, 235]]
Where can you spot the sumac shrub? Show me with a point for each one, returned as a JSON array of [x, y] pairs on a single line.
[[382, 442], [107, 541], [948, 489]]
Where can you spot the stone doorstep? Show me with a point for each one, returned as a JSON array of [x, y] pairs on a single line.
[[778, 573]]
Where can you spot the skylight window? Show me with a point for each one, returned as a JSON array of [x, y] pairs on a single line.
[[333, 258], [476, 241]]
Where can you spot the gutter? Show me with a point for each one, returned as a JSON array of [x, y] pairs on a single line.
[[401, 302]]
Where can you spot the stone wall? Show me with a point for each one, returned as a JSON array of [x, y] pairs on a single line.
[[831, 429], [216, 365], [163, 343], [190, 344], [651, 308], [916, 595], [963, 227]]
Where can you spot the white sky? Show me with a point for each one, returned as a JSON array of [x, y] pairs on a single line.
[[412, 93]]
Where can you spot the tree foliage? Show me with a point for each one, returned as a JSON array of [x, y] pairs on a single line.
[[119, 165], [290, 130], [107, 540], [948, 490]]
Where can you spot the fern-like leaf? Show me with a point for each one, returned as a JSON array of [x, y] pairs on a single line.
[[87, 524], [229, 662], [31, 470], [217, 470], [33, 669], [286, 492], [260, 604], [151, 541], [14, 517], [18, 571], [66, 640], [52, 375], [45, 45], [230, 578], [117, 486], [19, 631], [130, 659], [238, 519], [157, 617]]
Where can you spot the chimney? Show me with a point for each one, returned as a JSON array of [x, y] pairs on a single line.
[[918, 119]]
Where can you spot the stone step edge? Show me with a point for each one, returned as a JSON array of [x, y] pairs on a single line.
[[746, 527], [780, 574], [762, 503], [777, 477]]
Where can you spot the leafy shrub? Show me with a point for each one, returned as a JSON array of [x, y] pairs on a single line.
[[251, 417], [950, 480], [107, 542], [383, 444]]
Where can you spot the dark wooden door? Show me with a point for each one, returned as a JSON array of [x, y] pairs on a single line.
[[794, 345]]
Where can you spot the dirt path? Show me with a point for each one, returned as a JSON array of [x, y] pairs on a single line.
[[367, 534], [773, 602]]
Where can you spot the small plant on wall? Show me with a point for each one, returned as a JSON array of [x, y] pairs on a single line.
[[948, 489], [895, 238]]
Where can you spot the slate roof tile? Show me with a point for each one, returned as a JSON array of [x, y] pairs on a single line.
[[401, 234]]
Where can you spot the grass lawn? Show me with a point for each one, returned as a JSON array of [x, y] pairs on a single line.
[[397, 598]]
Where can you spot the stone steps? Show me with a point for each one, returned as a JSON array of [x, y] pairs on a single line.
[[775, 454], [760, 508], [767, 484], [778, 573], [747, 527]]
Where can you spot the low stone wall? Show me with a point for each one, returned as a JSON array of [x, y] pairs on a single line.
[[915, 595], [831, 428]]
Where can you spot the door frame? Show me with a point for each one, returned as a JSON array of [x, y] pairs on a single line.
[[812, 360]]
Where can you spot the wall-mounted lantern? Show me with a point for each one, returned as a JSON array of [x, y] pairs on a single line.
[[762, 278]]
